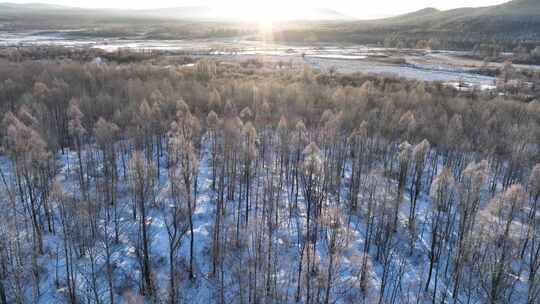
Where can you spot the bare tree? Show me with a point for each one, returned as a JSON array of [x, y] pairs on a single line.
[[499, 246], [143, 186], [77, 130]]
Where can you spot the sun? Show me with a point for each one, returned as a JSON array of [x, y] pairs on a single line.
[[264, 14]]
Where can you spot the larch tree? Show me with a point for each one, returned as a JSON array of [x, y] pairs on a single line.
[[142, 181], [443, 193], [174, 210], [404, 158], [358, 145], [65, 207], [30, 156], [183, 134], [250, 153], [312, 178], [77, 131], [419, 155], [473, 180], [532, 238], [500, 245], [212, 123]]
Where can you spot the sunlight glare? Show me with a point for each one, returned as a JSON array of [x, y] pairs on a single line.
[[263, 13]]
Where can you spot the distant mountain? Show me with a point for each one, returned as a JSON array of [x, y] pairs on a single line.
[[429, 11], [32, 8], [510, 23], [325, 14], [209, 13], [517, 8], [521, 17], [514, 22], [183, 12]]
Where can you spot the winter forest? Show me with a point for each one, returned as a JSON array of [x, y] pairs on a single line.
[[146, 183]]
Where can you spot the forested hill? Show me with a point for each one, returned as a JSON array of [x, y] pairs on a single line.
[[191, 13], [515, 19], [510, 23]]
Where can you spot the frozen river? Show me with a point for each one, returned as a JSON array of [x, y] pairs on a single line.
[[348, 59]]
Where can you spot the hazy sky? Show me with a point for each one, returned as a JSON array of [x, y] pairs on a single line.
[[356, 8]]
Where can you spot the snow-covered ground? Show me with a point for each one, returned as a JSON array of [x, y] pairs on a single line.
[[406, 276]]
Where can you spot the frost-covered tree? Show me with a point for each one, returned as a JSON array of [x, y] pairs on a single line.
[[404, 158], [442, 194], [499, 245], [77, 131], [142, 181]]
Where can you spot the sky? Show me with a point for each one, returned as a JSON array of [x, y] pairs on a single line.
[[352, 8]]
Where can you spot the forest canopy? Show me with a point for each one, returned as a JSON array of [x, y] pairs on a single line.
[[144, 180]]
